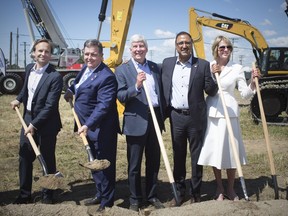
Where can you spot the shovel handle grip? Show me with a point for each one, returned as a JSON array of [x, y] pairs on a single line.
[[82, 135], [31, 140]]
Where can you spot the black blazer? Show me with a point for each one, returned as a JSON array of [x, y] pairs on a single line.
[[200, 81], [45, 103]]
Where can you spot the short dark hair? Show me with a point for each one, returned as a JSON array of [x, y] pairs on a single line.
[[183, 33], [41, 41], [94, 42]]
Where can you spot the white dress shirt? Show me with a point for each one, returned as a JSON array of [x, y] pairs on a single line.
[[33, 80], [180, 84], [150, 83]]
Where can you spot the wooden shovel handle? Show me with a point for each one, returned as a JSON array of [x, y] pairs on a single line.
[[30, 137], [264, 124], [159, 136], [229, 127], [82, 135]]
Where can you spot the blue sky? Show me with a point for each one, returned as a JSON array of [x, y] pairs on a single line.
[[156, 20]]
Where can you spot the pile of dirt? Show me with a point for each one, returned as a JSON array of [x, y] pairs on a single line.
[[237, 208]]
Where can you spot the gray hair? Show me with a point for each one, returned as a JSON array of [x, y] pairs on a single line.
[[94, 43], [138, 38]]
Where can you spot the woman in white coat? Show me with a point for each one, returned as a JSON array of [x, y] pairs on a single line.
[[217, 151]]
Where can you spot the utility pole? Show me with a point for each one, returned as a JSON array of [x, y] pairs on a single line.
[[241, 59], [151, 55], [233, 40], [24, 44], [17, 46], [10, 50]]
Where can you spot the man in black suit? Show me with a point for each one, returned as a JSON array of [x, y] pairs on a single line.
[[137, 121], [184, 80], [40, 96]]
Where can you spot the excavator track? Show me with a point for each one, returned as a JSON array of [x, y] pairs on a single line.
[[274, 93]]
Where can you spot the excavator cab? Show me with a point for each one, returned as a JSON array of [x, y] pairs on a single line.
[[275, 61], [274, 86]]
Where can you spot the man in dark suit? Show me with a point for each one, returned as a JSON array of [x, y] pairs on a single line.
[[95, 89], [184, 80], [40, 96], [137, 122]]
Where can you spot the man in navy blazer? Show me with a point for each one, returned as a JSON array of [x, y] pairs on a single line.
[[137, 121], [184, 80], [95, 89], [40, 96]]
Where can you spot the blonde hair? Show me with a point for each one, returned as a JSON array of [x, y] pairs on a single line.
[[216, 42]]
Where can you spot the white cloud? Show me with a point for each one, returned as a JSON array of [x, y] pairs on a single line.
[[279, 42], [163, 34], [266, 22], [283, 5], [269, 33]]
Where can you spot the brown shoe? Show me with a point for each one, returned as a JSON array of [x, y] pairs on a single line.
[[173, 202]]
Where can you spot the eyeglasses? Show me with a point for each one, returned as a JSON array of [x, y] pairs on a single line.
[[221, 48], [181, 43]]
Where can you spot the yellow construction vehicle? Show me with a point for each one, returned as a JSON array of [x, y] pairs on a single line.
[[121, 13], [272, 61]]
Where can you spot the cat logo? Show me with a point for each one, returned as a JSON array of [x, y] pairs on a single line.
[[224, 25]]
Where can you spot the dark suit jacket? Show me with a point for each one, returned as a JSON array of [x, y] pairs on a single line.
[[136, 105], [95, 102], [200, 81], [45, 103]]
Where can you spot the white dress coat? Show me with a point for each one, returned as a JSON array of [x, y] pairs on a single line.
[[217, 150]]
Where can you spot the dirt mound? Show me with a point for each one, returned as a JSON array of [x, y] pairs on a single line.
[[239, 208]]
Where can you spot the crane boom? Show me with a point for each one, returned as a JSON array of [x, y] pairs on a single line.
[[44, 21]]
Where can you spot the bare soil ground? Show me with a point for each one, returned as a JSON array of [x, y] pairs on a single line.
[[79, 185]]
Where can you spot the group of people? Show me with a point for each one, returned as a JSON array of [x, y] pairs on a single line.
[[176, 90]]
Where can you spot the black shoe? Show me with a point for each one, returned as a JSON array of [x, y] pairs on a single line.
[[101, 209], [92, 201], [173, 202], [195, 199], [156, 203], [47, 196], [23, 200], [134, 207], [47, 200]]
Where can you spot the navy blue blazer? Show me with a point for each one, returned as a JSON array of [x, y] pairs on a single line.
[[95, 102], [200, 81], [45, 103], [135, 120]]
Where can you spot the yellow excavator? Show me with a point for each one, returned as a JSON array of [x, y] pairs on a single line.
[[121, 13], [272, 61]]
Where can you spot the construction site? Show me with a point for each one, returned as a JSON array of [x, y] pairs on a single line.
[[264, 118]]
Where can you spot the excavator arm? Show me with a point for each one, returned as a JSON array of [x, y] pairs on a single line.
[[230, 25], [120, 20]]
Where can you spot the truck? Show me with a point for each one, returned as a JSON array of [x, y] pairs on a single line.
[[272, 62], [64, 57]]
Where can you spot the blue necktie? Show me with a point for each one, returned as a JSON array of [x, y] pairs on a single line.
[[86, 74]]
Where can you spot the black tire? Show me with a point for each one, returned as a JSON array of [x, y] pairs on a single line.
[[11, 83], [273, 104], [68, 80]]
